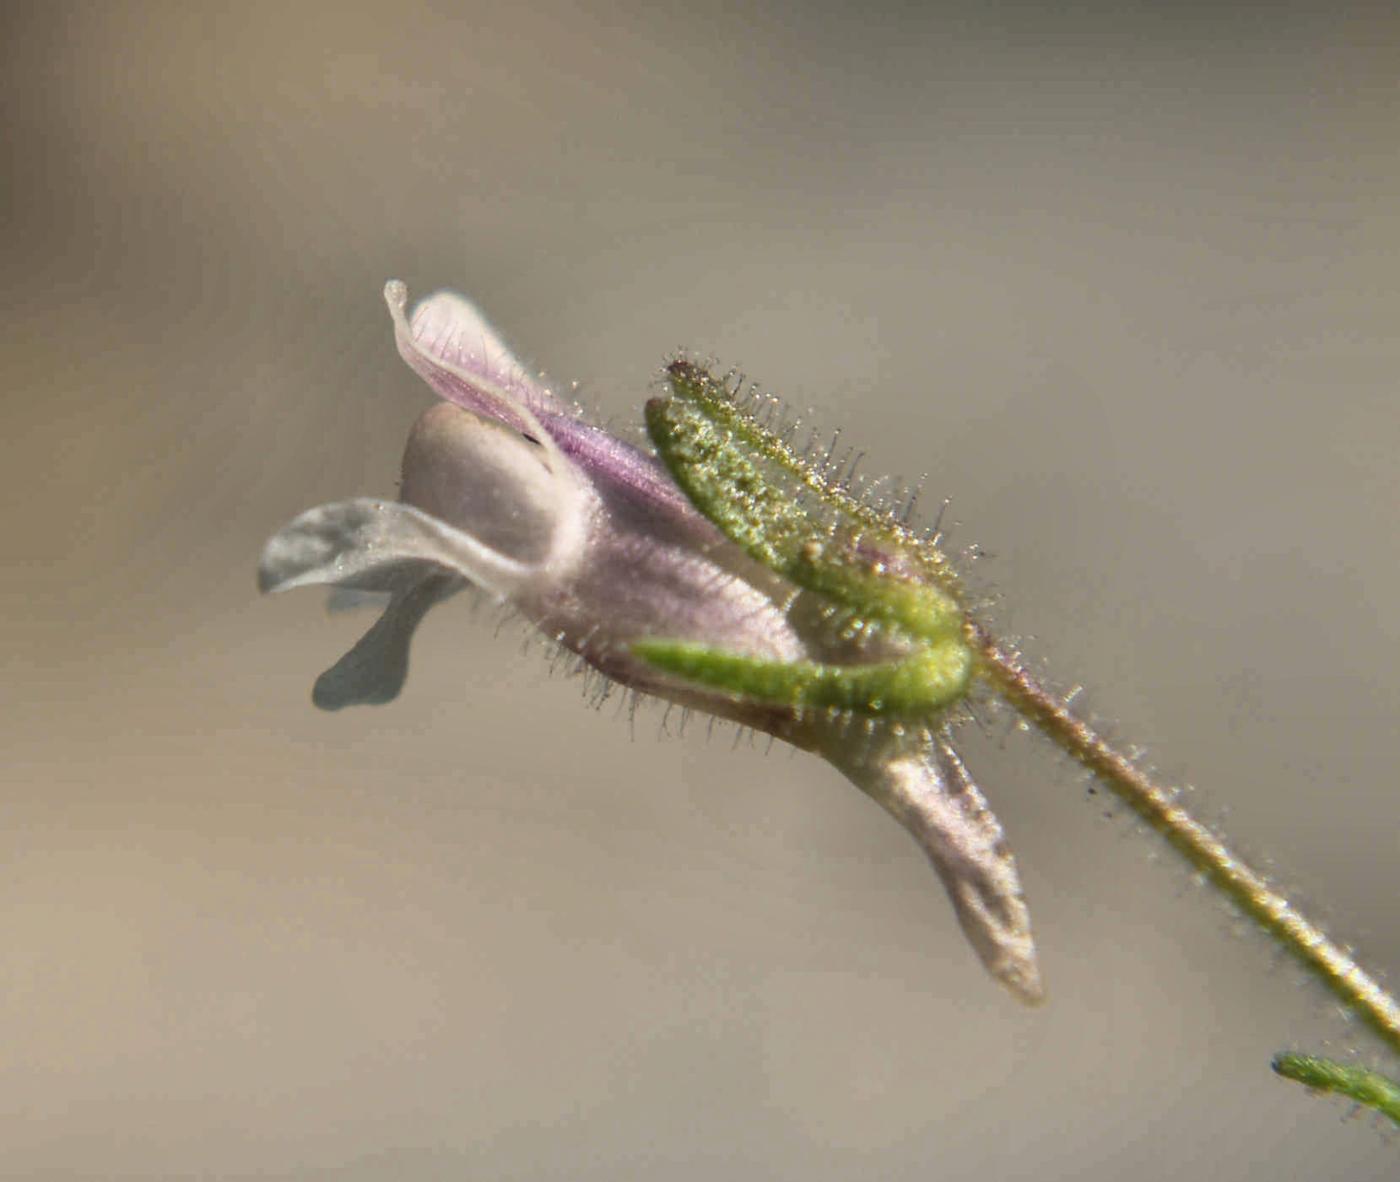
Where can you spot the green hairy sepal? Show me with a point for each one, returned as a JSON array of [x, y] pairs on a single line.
[[933, 677], [879, 576]]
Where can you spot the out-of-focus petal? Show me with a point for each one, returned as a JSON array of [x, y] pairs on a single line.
[[344, 600], [372, 545], [373, 672]]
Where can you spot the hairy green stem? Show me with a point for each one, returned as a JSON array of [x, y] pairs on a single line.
[[1332, 964]]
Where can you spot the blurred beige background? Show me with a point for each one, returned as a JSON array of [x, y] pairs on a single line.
[[1124, 283]]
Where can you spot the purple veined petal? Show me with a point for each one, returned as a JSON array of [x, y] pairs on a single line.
[[628, 477], [449, 344]]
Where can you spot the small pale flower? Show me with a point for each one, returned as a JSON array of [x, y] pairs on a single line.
[[824, 640]]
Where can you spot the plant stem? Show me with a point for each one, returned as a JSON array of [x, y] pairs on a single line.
[[1360, 992]]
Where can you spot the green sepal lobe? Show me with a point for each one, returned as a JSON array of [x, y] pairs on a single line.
[[752, 487], [932, 678]]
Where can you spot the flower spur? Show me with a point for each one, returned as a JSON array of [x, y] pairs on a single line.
[[726, 576]]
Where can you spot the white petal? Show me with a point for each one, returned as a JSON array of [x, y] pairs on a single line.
[[347, 599], [491, 482], [373, 672], [375, 545]]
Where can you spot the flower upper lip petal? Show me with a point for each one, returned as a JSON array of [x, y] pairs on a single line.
[[486, 381], [451, 346]]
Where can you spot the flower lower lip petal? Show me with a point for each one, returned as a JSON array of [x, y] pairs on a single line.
[[374, 545], [373, 672]]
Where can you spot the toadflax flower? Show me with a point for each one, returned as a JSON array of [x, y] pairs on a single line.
[[710, 577]]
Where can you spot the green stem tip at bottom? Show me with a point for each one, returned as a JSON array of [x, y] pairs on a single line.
[[1366, 1087]]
